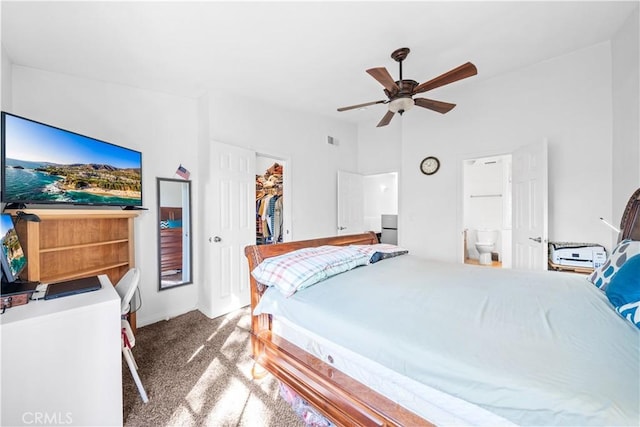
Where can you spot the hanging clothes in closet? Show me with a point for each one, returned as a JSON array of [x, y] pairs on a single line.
[[269, 203]]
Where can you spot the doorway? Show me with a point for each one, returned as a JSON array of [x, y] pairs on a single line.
[[487, 201], [271, 209], [363, 201]]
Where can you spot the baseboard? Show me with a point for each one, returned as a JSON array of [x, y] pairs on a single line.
[[157, 317]]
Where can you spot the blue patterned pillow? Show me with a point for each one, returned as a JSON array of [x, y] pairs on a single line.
[[602, 275], [623, 290]]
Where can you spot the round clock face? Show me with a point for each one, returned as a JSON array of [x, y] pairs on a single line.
[[430, 165]]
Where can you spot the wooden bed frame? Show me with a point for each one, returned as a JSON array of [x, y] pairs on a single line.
[[630, 222], [340, 398]]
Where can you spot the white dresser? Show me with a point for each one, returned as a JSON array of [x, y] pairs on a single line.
[[61, 361]]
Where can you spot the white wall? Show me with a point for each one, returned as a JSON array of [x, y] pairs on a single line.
[[5, 89], [380, 198], [379, 154], [380, 148], [483, 183], [626, 101], [162, 127], [171, 195], [299, 138], [5, 85], [567, 99]]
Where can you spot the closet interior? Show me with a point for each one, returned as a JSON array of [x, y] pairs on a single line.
[[269, 205]]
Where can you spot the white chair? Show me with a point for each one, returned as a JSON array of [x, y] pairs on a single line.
[[126, 287]]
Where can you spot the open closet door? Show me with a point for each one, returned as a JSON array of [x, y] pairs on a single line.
[[230, 207], [350, 203], [530, 207]]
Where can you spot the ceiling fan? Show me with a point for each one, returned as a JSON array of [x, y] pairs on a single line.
[[400, 93]]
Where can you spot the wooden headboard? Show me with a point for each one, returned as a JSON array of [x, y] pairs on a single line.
[[630, 222]]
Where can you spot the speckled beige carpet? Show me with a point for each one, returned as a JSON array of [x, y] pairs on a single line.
[[197, 372]]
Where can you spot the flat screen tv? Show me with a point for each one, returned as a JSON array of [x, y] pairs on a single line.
[[12, 257], [43, 164]]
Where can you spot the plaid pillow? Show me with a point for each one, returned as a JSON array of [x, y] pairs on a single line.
[[302, 268]]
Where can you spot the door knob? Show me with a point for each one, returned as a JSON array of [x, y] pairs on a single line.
[[217, 239], [537, 239]]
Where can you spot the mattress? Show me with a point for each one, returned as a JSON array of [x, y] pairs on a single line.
[[533, 348], [427, 402]]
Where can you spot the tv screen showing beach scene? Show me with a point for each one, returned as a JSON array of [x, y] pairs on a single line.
[[12, 256], [43, 164]]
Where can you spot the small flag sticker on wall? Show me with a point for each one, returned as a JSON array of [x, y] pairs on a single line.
[[183, 172]]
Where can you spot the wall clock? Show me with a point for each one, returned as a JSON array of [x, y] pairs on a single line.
[[429, 165]]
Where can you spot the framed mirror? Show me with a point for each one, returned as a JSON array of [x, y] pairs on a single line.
[[174, 233]]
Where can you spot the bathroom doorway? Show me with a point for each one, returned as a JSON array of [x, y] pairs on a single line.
[[487, 211]]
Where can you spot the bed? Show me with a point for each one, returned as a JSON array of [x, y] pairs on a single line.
[[553, 365]]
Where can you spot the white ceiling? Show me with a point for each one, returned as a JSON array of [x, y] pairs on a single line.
[[309, 56]]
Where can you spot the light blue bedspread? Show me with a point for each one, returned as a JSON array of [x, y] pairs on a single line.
[[538, 348]]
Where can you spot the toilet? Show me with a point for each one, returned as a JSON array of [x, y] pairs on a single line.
[[485, 242]]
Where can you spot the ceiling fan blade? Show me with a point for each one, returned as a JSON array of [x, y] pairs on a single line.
[[386, 119], [462, 72], [366, 104], [382, 75], [439, 106]]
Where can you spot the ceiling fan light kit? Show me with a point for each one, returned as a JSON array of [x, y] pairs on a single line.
[[400, 105], [400, 92]]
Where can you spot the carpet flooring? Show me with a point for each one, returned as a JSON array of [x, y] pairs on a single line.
[[197, 372]]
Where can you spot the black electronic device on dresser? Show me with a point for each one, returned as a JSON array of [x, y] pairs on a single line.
[[72, 287]]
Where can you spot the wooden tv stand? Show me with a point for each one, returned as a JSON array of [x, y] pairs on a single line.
[[72, 243]]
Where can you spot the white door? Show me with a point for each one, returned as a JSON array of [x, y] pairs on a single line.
[[230, 210], [350, 203], [530, 203]]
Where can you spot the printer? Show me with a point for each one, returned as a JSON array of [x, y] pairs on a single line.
[[589, 255]]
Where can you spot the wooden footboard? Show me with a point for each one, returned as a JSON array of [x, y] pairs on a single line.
[[340, 398]]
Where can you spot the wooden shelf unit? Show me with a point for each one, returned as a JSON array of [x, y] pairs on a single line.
[[72, 243]]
